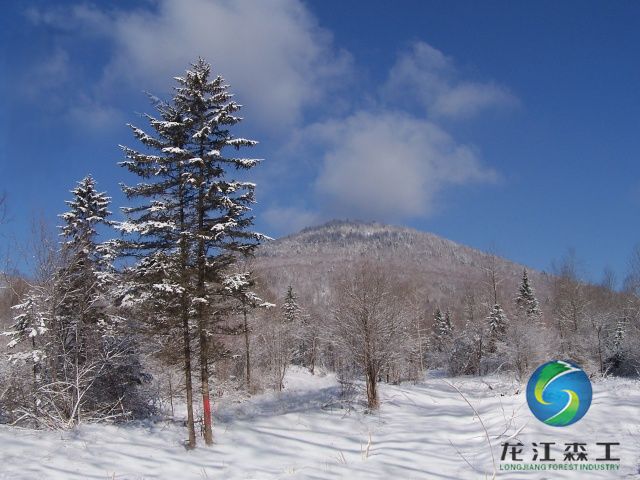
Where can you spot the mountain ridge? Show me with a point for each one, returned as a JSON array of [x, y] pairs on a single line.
[[444, 267]]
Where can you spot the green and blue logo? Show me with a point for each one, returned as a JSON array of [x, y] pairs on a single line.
[[559, 393]]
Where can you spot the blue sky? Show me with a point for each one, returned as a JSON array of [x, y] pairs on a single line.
[[502, 125]]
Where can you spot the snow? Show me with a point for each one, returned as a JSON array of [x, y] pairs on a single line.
[[240, 142], [167, 288], [175, 151], [236, 281], [421, 431], [144, 228]]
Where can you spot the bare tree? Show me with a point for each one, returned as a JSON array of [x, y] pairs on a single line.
[[279, 338], [492, 277], [367, 323], [277, 348], [569, 302], [475, 326], [419, 328], [239, 286], [307, 336]]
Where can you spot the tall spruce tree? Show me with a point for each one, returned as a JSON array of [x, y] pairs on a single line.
[[526, 300], [158, 233], [195, 220]]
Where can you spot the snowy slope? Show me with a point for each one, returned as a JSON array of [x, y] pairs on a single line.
[[308, 260], [421, 432]]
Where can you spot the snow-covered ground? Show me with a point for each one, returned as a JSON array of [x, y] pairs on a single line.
[[422, 431]]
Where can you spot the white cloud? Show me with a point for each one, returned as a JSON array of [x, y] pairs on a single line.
[[381, 163], [69, 19], [426, 75], [273, 53], [387, 165], [467, 99], [48, 75], [283, 219], [94, 115], [51, 84]]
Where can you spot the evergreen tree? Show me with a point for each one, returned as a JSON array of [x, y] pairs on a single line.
[[162, 243], [616, 361], [90, 364], [196, 218], [87, 273], [497, 326], [516, 341], [31, 324], [88, 209], [300, 333], [82, 259], [436, 329], [290, 308], [442, 330], [448, 326], [526, 300], [85, 327]]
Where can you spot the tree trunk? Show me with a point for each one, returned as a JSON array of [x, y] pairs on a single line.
[[372, 389], [479, 356], [495, 287], [312, 360], [246, 344], [187, 375], [420, 346], [204, 386], [201, 293], [76, 361], [35, 377], [184, 256], [171, 396], [599, 332]]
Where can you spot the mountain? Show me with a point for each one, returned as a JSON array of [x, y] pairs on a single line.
[[444, 270]]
